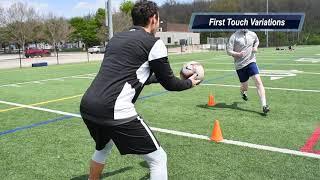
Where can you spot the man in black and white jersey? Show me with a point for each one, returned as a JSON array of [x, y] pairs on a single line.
[[107, 107]]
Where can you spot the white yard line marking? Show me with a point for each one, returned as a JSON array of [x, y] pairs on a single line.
[[58, 79], [272, 88], [80, 76], [37, 82], [239, 143], [278, 64], [313, 73], [293, 71], [200, 60], [83, 77], [14, 85], [310, 60], [45, 80], [40, 109], [185, 134]]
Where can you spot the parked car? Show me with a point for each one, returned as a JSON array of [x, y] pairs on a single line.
[[37, 52], [96, 49]]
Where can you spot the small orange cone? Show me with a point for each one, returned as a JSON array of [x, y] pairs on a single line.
[[216, 133], [211, 100]]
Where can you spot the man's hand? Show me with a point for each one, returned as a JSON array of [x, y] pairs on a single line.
[[194, 80], [240, 54]]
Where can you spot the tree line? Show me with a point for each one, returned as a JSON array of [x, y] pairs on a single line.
[[21, 25]]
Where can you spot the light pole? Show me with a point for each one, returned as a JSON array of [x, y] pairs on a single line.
[[109, 18]]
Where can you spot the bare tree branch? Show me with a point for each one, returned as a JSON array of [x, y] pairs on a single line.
[[57, 29], [121, 22], [20, 20], [1, 16]]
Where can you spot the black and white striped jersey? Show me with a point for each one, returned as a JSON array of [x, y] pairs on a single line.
[[130, 59]]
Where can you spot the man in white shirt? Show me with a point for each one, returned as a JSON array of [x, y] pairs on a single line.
[[242, 46]]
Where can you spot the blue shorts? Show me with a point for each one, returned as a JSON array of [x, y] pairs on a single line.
[[245, 73]]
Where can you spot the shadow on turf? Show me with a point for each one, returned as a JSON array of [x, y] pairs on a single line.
[[231, 106], [145, 165], [108, 174]]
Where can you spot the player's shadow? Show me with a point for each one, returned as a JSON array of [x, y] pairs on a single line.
[[234, 105], [145, 165], [104, 175]]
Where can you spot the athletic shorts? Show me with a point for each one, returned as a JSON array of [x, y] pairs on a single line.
[[245, 73], [134, 137]]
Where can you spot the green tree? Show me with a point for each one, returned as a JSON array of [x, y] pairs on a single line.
[[100, 18], [85, 30], [126, 6]]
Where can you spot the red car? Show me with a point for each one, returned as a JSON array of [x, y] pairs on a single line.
[[37, 52]]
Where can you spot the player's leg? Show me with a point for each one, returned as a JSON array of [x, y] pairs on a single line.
[[244, 90], [157, 162], [135, 137], [261, 92], [253, 71], [95, 170], [98, 160], [260, 89], [103, 148], [243, 78]]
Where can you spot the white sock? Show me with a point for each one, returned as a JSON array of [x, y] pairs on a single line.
[[157, 162], [101, 156], [243, 92], [263, 101]]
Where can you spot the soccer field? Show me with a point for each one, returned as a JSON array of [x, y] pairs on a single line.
[[42, 136]]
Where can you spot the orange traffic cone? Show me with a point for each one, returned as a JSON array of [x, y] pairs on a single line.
[[211, 100], [216, 133]]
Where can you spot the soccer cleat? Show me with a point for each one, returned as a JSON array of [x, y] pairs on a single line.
[[265, 109], [244, 96]]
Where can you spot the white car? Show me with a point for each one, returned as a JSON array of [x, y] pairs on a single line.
[[96, 49]]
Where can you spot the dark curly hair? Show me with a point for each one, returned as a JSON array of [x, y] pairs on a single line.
[[142, 11]]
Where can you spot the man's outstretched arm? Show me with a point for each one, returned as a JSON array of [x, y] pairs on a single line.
[[159, 64]]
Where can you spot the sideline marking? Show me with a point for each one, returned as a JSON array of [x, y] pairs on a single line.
[[41, 103], [272, 88], [311, 142], [185, 134], [44, 80], [35, 125]]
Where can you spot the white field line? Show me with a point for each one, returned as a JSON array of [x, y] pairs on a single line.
[[80, 76], [313, 73], [93, 74], [40, 109], [185, 134], [295, 72], [278, 64], [271, 88], [45, 80], [83, 77], [219, 58], [198, 60], [239, 143]]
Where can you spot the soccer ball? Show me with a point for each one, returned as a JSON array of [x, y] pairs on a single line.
[[192, 67]]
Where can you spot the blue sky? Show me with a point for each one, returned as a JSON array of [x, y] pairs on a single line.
[[69, 8]]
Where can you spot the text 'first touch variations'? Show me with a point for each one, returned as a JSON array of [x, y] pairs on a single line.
[[245, 22]]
